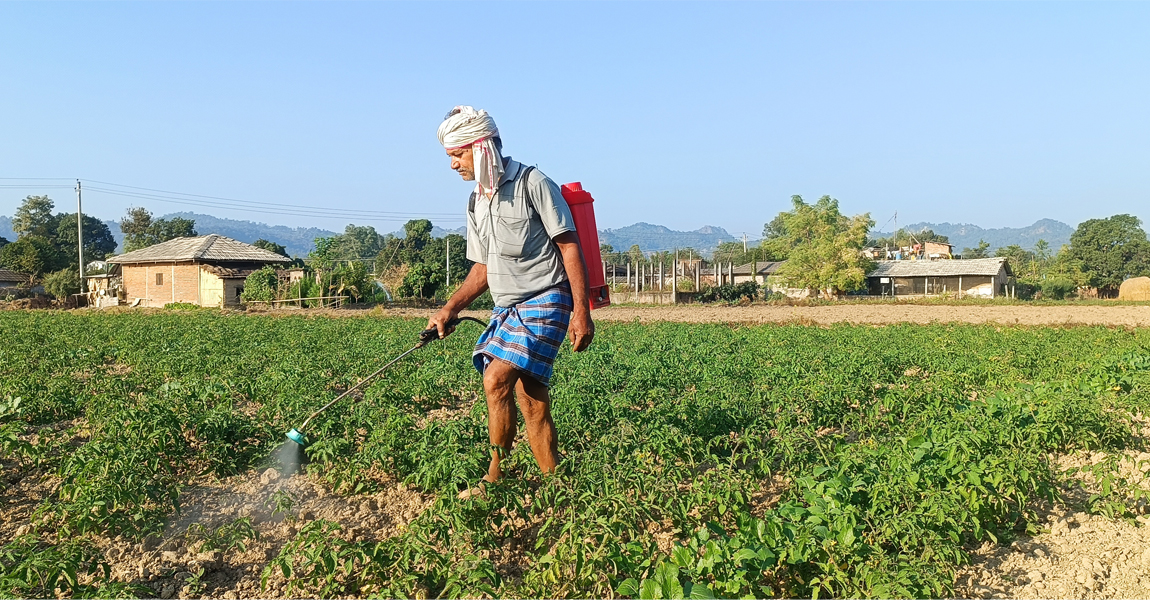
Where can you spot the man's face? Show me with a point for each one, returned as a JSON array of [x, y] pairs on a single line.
[[463, 162]]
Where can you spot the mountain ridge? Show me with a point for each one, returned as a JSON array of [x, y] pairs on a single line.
[[967, 235], [300, 240]]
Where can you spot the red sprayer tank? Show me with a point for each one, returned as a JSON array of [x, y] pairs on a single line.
[[582, 210]]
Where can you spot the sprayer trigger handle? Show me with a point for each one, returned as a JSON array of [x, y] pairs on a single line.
[[428, 335]]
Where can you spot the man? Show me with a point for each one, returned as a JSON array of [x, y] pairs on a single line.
[[521, 237]]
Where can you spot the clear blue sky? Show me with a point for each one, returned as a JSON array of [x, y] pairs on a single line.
[[678, 114]]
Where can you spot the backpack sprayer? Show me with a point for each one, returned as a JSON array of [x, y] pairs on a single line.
[[425, 337]]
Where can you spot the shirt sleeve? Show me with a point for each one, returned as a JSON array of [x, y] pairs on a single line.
[[476, 248], [547, 199]]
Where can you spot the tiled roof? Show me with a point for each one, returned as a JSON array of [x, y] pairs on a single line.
[[939, 268], [205, 248], [11, 276]]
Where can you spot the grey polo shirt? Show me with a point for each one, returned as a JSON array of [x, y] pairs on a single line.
[[512, 234]]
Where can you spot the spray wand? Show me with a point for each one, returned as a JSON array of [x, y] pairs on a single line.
[[425, 337]]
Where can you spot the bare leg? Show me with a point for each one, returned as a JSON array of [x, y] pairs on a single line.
[[499, 379], [535, 402]]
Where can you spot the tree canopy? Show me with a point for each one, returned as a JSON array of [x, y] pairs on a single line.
[[982, 251], [905, 237], [823, 247], [32, 255], [1111, 250], [34, 217], [141, 230], [98, 239], [270, 246]]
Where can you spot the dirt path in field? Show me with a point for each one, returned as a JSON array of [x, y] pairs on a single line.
[[869, 314]]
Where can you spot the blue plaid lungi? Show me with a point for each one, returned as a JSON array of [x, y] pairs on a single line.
[[527, 335]]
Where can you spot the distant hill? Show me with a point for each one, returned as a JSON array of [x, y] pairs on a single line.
[[653, 238], [297, 240], [965, 235]]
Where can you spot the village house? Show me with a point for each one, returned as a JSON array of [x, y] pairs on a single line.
[[11, 279], [759, 272], [988, 277], [207, 270]]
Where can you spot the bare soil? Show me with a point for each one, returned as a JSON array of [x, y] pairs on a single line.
[[170, 564], [1076, 555]]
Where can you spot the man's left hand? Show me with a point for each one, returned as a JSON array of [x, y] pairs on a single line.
[[581, 330]]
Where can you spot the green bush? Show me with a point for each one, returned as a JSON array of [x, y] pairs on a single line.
[[261, 285], [1057, 289], [62, 283]]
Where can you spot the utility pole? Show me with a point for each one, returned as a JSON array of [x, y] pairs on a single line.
[[80, 235], [448, 238], [744, 242]]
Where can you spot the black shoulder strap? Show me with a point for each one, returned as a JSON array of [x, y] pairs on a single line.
[[526, 188], [471, 203]]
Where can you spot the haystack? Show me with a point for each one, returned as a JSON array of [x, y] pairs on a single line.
[[1136, 289]]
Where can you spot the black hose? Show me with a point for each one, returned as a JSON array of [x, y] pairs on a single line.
[[428, 335]]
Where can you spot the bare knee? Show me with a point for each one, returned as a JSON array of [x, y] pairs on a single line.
[[499, 379], [534, 400]]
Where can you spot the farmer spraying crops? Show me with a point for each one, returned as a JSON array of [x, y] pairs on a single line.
[[521, 237]]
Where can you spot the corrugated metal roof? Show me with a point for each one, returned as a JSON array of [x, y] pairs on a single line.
[[207, 248], [11, 276], [939, 268], [764, 268]]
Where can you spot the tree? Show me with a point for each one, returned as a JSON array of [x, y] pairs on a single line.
[[163, 230], [141, 230], [32, 255], [905, 237], [823, 247], [98, 239], [777, 228], [635, 254], [34, 217], [982, 251], [270, 247], [135, 226], [62, 283], [1020, 260], [421, 280], [3, 241], [1111, 250]]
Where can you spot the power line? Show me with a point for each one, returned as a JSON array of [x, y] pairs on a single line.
[[343, 214], [266, 204]]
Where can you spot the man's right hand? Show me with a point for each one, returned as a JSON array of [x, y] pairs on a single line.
[[439, 321]]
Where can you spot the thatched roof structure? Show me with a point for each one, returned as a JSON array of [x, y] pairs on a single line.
[[202, 249]]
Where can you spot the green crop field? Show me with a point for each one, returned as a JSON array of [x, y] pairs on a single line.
[[699, 460]]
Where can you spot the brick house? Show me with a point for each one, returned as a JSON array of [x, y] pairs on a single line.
[[208, 270]]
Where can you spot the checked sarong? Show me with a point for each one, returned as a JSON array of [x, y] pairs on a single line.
[[528, 334]]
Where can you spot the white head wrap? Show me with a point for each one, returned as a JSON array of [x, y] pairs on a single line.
[[465, 126]]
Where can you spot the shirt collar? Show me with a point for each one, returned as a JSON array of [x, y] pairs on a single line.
[[510, 170]]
